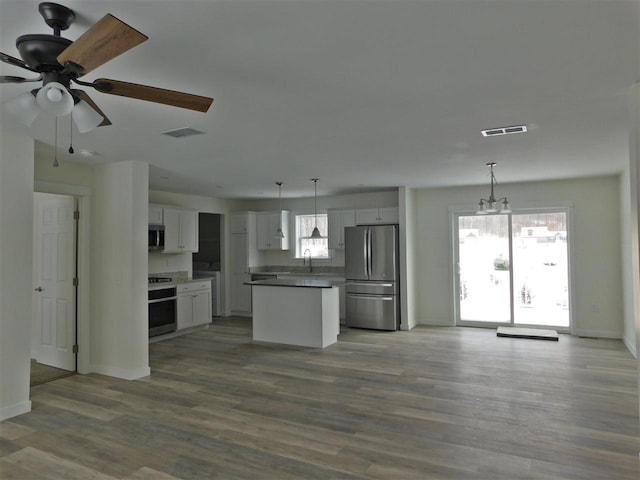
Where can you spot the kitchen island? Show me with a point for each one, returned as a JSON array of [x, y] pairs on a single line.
[[304, 312]]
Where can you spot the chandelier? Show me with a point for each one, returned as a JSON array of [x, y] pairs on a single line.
[[490, 205]]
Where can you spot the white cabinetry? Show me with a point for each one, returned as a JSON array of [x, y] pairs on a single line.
[[194, 304], [338, 220], [239, 223], [244, 255], [155, 215], [180, 230], [268, 224], [372, 216]]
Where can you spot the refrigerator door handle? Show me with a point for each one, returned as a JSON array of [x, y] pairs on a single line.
[[369, 266], [372, 297], [365, 240], [368, 284]]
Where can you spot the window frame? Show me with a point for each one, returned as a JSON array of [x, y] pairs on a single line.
[[297, 252]]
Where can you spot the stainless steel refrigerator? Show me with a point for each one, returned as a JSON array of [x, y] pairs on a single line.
[[372, 274]]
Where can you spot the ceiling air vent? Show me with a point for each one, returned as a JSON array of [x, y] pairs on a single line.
[[493, 132], [182, 132]]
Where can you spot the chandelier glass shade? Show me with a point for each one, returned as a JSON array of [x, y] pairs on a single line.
[[491, 204]]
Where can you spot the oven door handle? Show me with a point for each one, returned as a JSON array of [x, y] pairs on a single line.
[[165, 299]]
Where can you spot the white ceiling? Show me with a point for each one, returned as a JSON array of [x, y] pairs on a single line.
[[362, 94]]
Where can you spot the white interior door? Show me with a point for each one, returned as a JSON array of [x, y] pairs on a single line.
[[54, 332]]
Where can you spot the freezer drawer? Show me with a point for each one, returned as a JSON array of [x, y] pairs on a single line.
[[378, 312], [372, 288]]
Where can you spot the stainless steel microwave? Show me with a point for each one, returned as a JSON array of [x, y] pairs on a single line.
[[156, 238]]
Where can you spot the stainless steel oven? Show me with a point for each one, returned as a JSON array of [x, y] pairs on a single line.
[[163, 303]]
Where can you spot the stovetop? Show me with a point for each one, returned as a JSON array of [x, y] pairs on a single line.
[[160, 279]]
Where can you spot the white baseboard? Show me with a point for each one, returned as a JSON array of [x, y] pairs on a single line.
[[631, 346], [438, 322], [124, 373], [579, 332], [14, 410]]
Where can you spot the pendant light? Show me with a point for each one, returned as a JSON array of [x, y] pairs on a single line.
[[488, 205], [279, 232], [316, 232]]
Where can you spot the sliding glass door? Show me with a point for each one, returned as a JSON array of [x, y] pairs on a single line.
[[512, 269]]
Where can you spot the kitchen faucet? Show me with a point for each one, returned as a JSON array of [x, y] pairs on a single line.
[[304, 258]]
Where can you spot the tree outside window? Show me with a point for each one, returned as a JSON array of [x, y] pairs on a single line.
[[317, 247]]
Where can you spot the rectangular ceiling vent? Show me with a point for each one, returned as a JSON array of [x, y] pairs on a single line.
[[182, 132], [494, 132]]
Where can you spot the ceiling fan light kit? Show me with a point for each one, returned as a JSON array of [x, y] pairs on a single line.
[[60, 62], [24, 107], [85, 117], [55, 98]]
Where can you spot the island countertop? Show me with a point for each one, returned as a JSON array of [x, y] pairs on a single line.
[[297, 282]]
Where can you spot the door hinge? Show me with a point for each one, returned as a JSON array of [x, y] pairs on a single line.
[[76, 214], [75, 348], [75, 282]]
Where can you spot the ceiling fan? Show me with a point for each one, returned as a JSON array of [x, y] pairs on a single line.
[[60, 63]]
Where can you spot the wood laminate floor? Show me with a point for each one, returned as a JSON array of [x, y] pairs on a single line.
[[433, 403]]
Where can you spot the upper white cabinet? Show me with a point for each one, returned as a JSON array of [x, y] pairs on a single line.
[[155, 215], [338, 220], [268, 224], [239, 222], [180, 230], [372, 216]]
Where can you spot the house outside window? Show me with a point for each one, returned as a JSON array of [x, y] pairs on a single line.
[[318, 247]]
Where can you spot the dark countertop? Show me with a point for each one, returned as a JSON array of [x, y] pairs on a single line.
[[297, 282]]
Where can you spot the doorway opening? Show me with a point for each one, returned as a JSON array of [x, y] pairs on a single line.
[[513, 269]]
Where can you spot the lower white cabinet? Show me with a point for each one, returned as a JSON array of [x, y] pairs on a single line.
[[240, 294], [194, 304]]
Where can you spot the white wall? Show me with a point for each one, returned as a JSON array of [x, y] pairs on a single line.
[[596, 262], [634, 193], [628, 260], [119, 310], [408, 257], [16, 232]]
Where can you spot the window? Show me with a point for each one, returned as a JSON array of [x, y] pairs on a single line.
[[317, 247]]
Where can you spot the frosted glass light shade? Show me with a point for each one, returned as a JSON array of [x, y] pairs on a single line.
[[24, 107], [59, 103], [85, 117]]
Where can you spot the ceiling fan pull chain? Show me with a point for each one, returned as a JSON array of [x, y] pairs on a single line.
[[71, 134], [55, 144]]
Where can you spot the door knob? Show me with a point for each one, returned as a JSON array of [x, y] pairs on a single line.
[[39, 289]]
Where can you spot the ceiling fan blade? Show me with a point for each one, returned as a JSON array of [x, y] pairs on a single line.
[[153, 94], [104, 41], [84, 96], [12, 79], [15, 61]]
